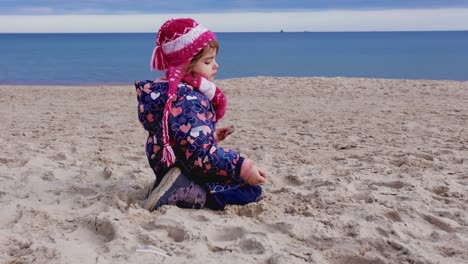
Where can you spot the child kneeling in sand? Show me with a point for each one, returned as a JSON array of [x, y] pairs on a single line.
[[180, 114]]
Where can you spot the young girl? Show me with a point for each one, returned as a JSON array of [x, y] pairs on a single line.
[[191, 170]]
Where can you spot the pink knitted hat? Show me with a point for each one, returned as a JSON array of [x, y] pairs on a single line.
[[178, 41]]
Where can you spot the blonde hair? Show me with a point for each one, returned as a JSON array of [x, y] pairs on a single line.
[[212, 45]]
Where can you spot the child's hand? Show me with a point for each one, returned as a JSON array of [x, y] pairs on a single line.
[[257, 176], [223, 132], [252, 174]]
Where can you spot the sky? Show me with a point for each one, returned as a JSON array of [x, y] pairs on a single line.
[[44, 16]]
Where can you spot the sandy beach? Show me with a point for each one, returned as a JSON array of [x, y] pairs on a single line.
[[360, 171]]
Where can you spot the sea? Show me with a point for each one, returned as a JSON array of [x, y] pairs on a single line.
[[121, 58]]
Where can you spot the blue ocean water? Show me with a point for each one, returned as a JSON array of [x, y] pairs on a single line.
[[117, 58]]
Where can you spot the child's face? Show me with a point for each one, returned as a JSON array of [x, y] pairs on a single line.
[[206, 65]]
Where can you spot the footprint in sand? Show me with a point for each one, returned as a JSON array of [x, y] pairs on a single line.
[[104, 228], [13, 163], [48, 176], [358, 260], [252, 246], [394, 216], [250, 210], [225, 239], [19, 248], [172, 230], [237, 238], [59, 157], [444, 191], [279, 258], [227, 234], [444, 224], [201, 218], [281, 227], [392, 184], [294, 180]]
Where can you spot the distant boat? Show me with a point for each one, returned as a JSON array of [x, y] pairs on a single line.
[[281, 31]]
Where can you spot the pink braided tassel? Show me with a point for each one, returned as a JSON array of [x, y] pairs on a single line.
[[153, 59], [157, 59], [161, 63], [173, 75], [168, 155]]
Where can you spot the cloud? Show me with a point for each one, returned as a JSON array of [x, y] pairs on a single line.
[[35, 10], [59, 7], [327, 20]]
